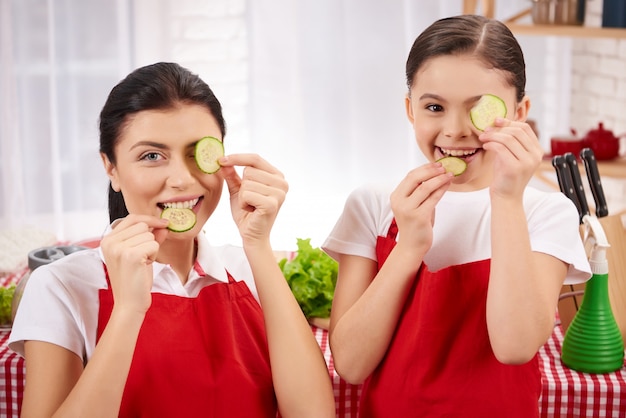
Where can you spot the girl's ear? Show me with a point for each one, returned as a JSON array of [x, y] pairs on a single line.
[[111, 171], [522, 109], [409, 108]]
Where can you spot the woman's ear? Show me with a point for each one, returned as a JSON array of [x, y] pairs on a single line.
[[111, 171], [522, 109], [409, 108]]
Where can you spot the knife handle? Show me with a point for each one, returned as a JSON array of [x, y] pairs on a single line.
[[577, 182], [565, 181], [593, 175]]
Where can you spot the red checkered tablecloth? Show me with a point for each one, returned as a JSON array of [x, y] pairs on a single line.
[[565, 392], [12, 379], [570, 394], [346, 395]]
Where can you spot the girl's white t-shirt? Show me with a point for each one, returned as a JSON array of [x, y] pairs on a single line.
[[462, 228]]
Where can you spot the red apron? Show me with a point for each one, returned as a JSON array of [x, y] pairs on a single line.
[[439, 362], [199, 357]]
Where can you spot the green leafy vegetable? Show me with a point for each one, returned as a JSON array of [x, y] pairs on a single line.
[[312, 276], [6, 298]]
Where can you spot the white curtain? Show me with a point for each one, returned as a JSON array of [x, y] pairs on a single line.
[[327, 98], [326, 89], [59, 59]]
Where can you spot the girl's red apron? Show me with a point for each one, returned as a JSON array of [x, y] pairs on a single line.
[[439, 362], [199, 357]]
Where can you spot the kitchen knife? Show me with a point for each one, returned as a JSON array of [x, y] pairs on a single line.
[[565, 181], [570, 160], [593, 175]]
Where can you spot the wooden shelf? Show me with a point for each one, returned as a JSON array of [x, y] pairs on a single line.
[[567, 30]]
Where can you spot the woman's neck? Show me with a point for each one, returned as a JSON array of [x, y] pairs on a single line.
[[180, 255]]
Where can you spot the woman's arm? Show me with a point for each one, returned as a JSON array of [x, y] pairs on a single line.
[[57, 384], [301, 381]]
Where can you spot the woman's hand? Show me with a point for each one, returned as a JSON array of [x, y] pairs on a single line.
[[129, 251], [256, 196], [517, 155], [413, 204]]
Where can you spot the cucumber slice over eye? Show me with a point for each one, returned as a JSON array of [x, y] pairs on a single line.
[[181, 220], [454, 165], [208, 151], [486, 110]]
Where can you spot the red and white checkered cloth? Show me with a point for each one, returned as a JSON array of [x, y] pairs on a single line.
[[565, 393], [346, 395], [7, 280], [12, 379], [568, 393]]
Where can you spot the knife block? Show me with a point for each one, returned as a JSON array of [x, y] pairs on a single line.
[[616, 256]]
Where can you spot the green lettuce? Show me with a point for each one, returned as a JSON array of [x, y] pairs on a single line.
[[6, 299], [312, 276]]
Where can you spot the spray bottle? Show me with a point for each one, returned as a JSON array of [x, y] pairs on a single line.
[[593, 342]]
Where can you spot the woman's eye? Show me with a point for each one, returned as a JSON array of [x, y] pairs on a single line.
[[151, 156], [434, 108]]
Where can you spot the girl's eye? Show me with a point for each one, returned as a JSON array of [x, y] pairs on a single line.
[[434, 108], [151, 156]]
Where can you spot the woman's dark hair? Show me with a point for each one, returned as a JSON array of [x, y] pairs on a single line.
[[154, 87], [488, 40]]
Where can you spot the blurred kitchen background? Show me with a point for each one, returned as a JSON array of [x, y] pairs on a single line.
[[315, 86]]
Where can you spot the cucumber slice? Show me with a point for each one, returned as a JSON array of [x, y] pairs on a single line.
[[208, 151], [486, 110], [181, 220], [454, 165]]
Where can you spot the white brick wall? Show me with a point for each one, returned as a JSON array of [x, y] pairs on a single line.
[[210, 38], [598, 79]]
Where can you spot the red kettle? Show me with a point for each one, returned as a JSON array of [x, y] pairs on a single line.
[[603, 142]]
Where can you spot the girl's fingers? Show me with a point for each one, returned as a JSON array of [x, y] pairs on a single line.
[[418, 176]]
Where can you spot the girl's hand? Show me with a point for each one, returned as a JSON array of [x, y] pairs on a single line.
[[129, 251], [517, 155], [413, 204], [256, 196]]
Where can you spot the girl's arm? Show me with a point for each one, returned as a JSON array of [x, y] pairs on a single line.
[[523, 285], [367, 303], [299, 373]]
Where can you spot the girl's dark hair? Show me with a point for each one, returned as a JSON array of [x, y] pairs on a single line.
[[154, 87], [488, 40]]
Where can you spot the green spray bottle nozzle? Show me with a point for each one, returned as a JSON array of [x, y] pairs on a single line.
[[596, 244]]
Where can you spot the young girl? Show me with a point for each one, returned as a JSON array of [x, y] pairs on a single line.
[[156, 323], [448, 286]]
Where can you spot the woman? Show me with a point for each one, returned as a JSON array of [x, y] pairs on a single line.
[[155, 322]]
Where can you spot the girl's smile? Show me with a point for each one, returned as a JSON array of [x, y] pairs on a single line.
[[438, 106]]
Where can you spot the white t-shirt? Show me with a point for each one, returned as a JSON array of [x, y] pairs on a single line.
[[462, 229], [60, 301]]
